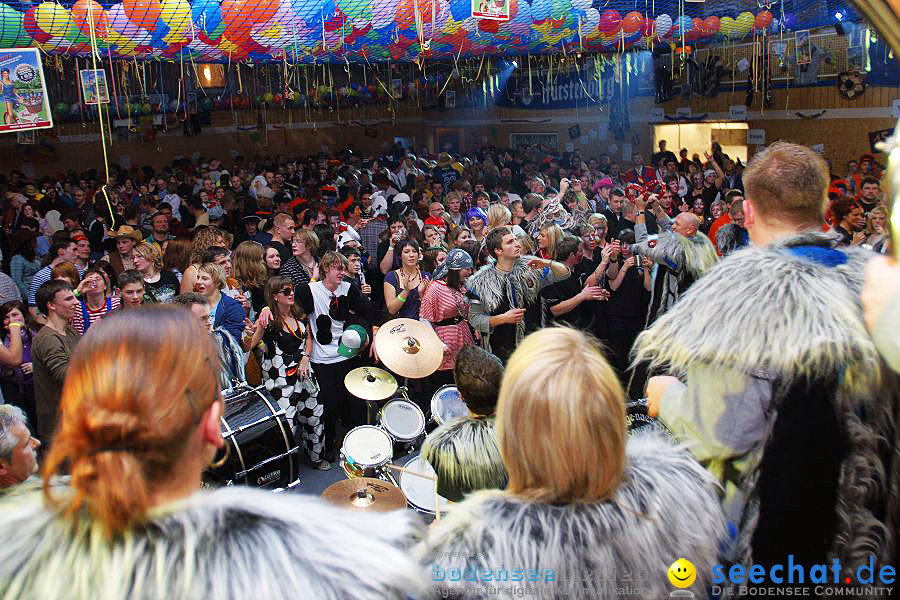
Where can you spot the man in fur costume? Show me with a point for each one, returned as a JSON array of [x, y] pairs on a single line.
[[464, 452], [682, 254], [506, 304], [781, 391]]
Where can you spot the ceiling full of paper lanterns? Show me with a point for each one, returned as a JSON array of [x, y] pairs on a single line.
[[335, 31]]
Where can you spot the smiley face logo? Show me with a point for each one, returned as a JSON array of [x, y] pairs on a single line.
[[682, 573]]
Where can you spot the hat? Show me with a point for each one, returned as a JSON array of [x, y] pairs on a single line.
[[443, 159], [215, 213], [476, 212], [30, 190], [401, 197], [379, 205], [603, 182], [436, 221], [78, 237], [252, 219], [352, 341], [348, 234], [127, 231]]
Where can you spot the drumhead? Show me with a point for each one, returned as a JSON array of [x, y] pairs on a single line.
[[446, 405], [420, 490], [403, 420], [367, 446]]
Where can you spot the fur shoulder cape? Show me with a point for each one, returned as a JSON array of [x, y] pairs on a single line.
[[771, 310], [233, 543], [489, 285], [664, 508], [465, 457], [698, 252]]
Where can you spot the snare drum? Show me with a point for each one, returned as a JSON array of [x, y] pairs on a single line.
[[446, 405], [365, 451], [259, 442], [420, 491]]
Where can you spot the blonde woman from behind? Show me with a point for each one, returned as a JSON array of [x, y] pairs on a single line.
[[585, 512]]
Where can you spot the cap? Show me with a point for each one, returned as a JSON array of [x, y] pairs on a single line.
[[709, 172], [436, 221], [252, 219], [352, 341], [215, 213], [401, 197]]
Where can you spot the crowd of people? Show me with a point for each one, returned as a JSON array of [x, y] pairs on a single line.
[[654, 268]]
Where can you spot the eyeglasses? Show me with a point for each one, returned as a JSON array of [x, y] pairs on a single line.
[[287, 291]]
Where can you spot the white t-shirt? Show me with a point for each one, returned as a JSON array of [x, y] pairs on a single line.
[[322, 303]]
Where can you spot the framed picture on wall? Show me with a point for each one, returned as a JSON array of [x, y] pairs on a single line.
[[93, 86], [546, 140], [802, 47]]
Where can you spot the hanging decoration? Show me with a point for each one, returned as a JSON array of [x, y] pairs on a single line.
[[369, 31]]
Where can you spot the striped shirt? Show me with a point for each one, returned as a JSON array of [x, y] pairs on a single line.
[[292, 268], [440, 302], [77, 321]]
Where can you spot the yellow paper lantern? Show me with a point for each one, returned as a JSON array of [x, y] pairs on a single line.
[[53, 19], [744, 23]]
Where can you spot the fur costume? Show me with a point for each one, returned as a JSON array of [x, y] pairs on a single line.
[[232, 357], [233, 543], [465, 457], [772, 346], [731, 237], [682, 260], [496, 290], [664, 508]]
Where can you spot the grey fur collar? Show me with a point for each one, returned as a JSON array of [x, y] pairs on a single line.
[[664, 509], [490, 284], [234, 543], [767, 309]]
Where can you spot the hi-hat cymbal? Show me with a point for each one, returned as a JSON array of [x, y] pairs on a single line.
[[409, 348], [365, 494], [370, 383]]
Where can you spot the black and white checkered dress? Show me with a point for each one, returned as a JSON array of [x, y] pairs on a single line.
[[298, 396]]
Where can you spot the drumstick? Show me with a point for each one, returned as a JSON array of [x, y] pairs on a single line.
[[437, 503], [411, 472]]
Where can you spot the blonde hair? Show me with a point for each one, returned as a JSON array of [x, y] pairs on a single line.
[[498, 216], [216, 272], [596, 219], [554, 237], [561, 419], [250, 265], [203, 239], [120, 435], [309, 239], [870, 223], [151, 254]]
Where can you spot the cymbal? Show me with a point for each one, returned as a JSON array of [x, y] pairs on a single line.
[[409, 348], [365, 494], [370, 383]]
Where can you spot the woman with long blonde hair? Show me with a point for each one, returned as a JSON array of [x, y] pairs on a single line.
[[140, 420], [548, 239], [581, 496]]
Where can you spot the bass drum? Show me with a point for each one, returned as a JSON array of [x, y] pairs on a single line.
[[259, 443]]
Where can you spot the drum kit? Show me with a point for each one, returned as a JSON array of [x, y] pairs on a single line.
[[396, 424], [260, 449]]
